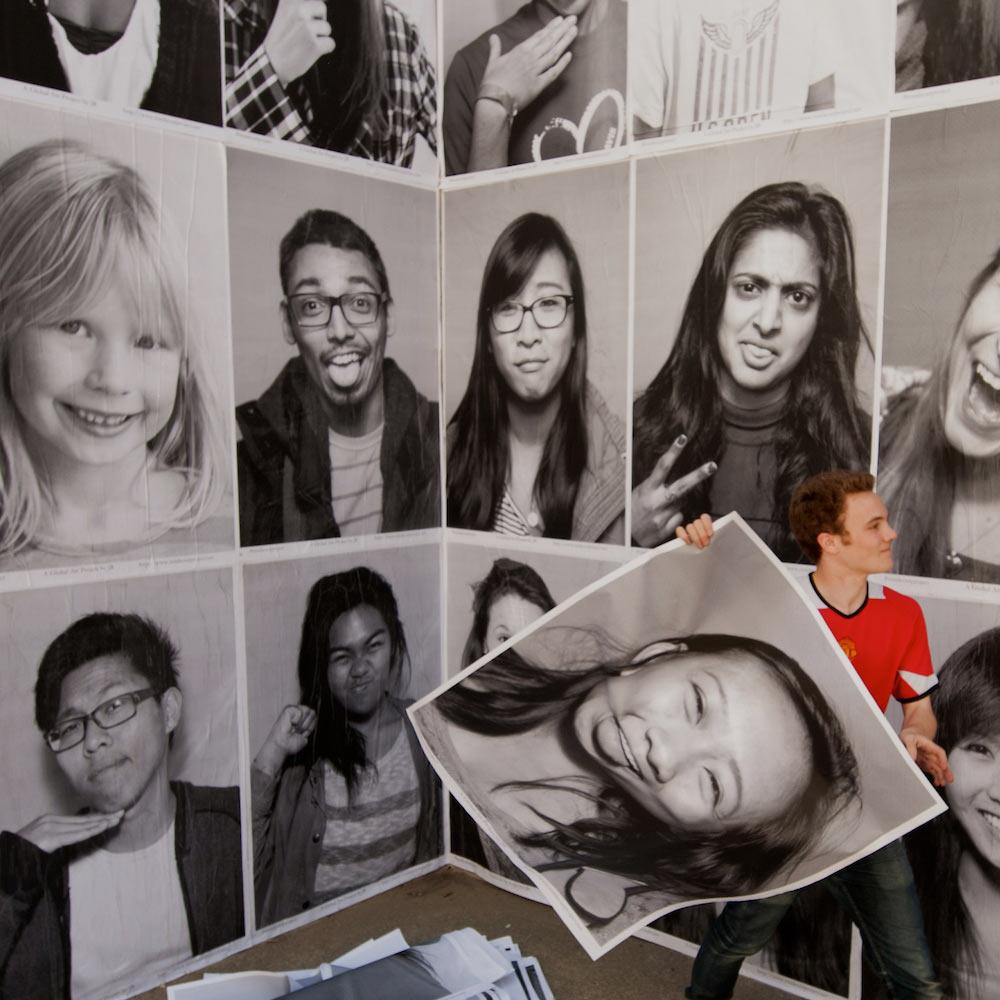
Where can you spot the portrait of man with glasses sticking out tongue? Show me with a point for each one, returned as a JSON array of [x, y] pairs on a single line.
[[342, 442]]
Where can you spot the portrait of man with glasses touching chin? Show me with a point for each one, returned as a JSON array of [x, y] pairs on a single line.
[[342, 442], [149, 872]]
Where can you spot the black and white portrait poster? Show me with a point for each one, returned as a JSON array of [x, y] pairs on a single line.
[[337, 648], [335, 292], [705, 67], [536, 319], [154, 55], [355, 79], [756, 293], [532, 82], [115, 428], [939, 437], [622, 751], [956, 857], [494, 591], [941, 42], [121, 851]]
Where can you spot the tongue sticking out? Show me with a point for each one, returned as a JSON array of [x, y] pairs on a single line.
[[984, 396], [345, 371]]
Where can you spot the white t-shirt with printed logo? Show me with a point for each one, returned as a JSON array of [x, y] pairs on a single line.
[[702, 65]]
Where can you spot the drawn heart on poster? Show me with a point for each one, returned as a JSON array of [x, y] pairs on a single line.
[[581, 133]]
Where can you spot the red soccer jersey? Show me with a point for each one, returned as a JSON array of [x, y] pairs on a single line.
[[886, 642]]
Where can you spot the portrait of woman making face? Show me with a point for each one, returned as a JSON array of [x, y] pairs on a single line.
[[758, 391], [654, 766], [532, 447], [341, 792], [939, 449], [956, 857]]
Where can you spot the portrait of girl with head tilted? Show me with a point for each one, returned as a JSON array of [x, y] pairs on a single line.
[[693, 767], [112, 438]]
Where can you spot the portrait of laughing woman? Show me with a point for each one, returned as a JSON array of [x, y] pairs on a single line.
[[694, 767]]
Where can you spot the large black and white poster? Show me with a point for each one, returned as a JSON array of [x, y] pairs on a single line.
[[115, 436], [756, 293], [670, 736], [341, 795], [121, 853]]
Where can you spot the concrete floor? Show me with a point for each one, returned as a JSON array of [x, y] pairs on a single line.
[[448, 899]]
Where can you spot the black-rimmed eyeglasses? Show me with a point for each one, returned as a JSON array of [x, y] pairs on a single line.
[[311, 310], [113, 712], [548, 312]]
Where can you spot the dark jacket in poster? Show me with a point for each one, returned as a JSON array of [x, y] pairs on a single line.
[[34, 893], [283, 460]]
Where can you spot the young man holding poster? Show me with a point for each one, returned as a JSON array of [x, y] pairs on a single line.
[[843, 526]]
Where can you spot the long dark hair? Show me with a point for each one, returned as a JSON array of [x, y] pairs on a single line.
[[479, 455], [510, 695], [963, 40], [506, 576], [823, 425], [348, 87], [966, 704], [334, 738], [919, 471]]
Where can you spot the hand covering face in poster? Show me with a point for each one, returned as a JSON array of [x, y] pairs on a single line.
[[158, 55], [111, 435], [759, 390], [533, 449], [939, 447], [946, 41], [546, 82], [630, 756], [956, 857], [342, 795]]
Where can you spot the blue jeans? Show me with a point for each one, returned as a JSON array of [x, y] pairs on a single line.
[[878, 894]]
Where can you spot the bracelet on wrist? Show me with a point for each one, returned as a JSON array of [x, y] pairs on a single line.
[[497, 95]]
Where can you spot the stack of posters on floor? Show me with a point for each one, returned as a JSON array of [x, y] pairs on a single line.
[[460, 965], [684, 730]]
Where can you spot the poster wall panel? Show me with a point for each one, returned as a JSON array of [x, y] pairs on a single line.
[[756, 289], [342, 796], [939, 439], [122, 849], [116, 429]]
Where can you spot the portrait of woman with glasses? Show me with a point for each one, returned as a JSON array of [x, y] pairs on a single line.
[[341, 442], [533, 448]]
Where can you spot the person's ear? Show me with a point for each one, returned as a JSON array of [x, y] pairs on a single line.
[[828, 542], [653, 649], [286, 324], [171, 702]]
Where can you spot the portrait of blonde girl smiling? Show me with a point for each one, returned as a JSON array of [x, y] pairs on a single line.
[[111, 435]]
